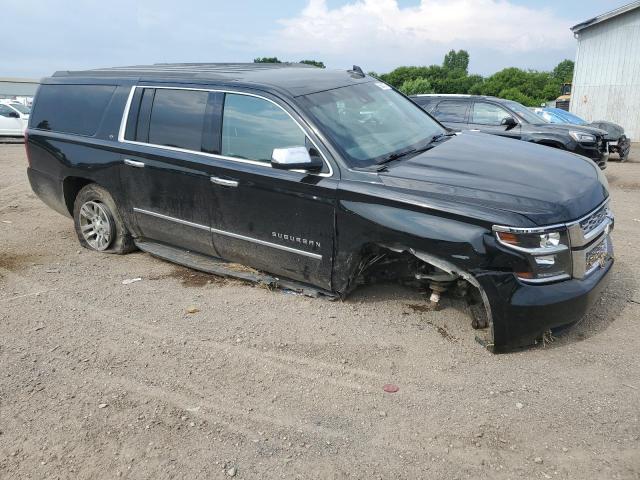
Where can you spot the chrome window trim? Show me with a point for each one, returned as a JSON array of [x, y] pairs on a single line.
[[315, 256], [125, 116]]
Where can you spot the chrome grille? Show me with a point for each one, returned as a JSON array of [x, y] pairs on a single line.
[[592, 221]]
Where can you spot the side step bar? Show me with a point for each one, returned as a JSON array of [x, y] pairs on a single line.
[[222, 268]]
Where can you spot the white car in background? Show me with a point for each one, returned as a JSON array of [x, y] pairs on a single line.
[[14, 117]]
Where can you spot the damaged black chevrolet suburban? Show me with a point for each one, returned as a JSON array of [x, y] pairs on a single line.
[[324, 180]]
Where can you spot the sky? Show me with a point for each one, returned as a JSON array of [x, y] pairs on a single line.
[[43, 36]]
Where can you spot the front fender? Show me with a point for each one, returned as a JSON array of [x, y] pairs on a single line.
[[361, 225]]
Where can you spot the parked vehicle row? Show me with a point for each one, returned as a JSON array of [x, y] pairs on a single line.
[[14, 117], [617, 141], [513, 120], [330, 180]]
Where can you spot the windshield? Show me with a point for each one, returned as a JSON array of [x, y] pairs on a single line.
[[550, 117], [370, 121], [523, 112], [21, 108], [571, 118]]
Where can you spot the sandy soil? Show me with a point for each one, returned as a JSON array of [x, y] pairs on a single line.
[[102, 380]]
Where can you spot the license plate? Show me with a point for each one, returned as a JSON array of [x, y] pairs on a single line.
[[598, 255]]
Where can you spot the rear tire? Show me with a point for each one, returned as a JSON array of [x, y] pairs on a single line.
[[98, 222]]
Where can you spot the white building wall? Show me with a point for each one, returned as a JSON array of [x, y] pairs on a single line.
[[606, 79]]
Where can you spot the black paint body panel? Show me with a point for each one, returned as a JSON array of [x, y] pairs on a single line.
[[442, 202]]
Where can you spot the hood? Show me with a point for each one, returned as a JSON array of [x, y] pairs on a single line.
[[568, 127], [614, 131], [544, 184]]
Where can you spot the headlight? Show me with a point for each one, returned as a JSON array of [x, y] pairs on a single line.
[[582, 137], [547, 252]]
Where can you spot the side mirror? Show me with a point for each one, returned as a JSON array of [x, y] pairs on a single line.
[[14, 115], [295, 158], [508, 122]]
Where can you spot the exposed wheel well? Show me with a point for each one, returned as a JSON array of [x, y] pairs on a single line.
[[71, 186]]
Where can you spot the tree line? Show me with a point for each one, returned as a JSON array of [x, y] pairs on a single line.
[[529, 87]]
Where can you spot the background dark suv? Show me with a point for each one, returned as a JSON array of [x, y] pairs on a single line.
[[512, 119]]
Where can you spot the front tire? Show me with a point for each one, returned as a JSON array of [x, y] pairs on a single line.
[[98, 222]]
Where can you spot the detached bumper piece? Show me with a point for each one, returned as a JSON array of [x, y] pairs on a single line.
[[622, 146]]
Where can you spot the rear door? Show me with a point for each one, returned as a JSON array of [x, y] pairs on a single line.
[[165, 175], [487, 117], [452, 113], [275, 220], [9, 124]]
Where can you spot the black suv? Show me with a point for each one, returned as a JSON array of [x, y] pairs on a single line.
[[513, 120], [321, 180]]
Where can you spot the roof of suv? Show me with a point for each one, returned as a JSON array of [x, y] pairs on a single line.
[[294, 78]]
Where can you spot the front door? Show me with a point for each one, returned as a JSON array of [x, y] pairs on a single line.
[[165, 178], [487, 117], [274, 220]]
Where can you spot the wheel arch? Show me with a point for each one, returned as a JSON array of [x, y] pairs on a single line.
[[71, 186]]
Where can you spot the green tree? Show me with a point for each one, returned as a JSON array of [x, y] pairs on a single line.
[[516, 95], [456, 61], [416, 86], [315, 63], [564, 71], [266, 60]]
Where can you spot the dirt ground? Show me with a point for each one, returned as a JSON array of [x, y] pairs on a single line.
[[99, 379]]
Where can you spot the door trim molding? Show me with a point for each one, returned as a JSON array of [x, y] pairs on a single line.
[[171, 219], [217, 231]]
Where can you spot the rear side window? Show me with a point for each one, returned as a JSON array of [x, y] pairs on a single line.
[[76, 109], [177, 118], [253, 127], [451, 111]]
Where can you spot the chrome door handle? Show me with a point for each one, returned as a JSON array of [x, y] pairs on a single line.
[[133, 163], [224, 182]]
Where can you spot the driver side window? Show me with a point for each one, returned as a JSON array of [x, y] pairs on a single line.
[[6, 111], [252, 127], [488, 114]]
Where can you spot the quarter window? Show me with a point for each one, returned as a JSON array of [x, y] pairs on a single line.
[[252, 127], [177, 118], [451, 111], [76, 109], [488, 114]]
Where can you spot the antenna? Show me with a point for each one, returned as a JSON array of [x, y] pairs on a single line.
[[357, 71]]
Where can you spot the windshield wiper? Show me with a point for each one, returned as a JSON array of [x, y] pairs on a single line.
[[396, 155]]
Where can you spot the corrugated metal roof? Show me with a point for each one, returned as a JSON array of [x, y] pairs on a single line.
[[605, 16]]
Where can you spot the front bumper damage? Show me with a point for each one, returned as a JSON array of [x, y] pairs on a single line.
[[523, 312]]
